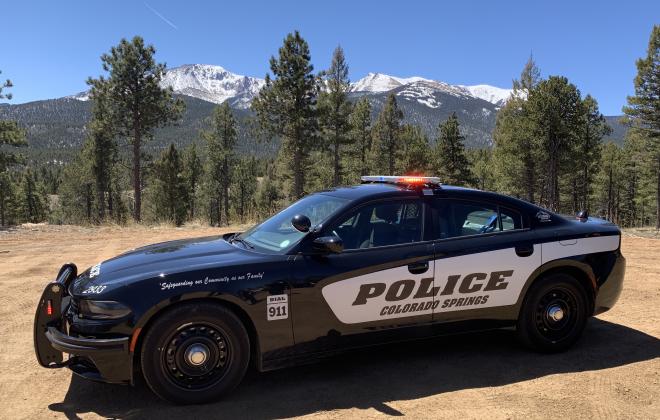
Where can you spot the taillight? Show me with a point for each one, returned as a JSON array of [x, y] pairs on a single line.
[[49, 307]]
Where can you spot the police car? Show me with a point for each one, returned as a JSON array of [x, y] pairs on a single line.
[[392, 259]]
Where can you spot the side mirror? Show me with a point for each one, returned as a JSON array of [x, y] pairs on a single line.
[[582, 216], [328, 244], [301, 223]]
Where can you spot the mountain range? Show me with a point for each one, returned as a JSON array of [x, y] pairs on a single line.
[[58, 125]]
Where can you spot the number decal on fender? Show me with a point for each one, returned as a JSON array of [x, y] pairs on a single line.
[[277, 307], [94, 290]]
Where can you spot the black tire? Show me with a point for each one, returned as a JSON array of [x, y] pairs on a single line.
[[195, 353], [540, 326]]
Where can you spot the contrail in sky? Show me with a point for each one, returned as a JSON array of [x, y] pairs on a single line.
[[164, 19]]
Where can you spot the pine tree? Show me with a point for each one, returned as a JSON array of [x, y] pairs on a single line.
[[11, 135], [609, 185], [104, 152], [360, 134], [76, 192], [387, 143], [643, 110], [638, 206], [481, 164], [8, 200], [220, 142], [193, 171], [286, 105], [334, 111], [515, 152], [415, 151], [33, 200], [452, 166], [586, 155], [245, 187], [268, 197], [554, 111], [170, 187], [136, 102]]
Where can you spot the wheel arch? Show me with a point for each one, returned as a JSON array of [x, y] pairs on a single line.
[[150, 318], [580, 271]]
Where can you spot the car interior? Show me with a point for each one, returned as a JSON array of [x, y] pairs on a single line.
[[381, 224]]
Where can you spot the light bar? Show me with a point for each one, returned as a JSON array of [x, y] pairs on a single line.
[[405, 180]]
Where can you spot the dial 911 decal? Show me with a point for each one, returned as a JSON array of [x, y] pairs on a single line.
[[277, 307]]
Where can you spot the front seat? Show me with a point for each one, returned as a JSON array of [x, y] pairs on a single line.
[[384, 231]]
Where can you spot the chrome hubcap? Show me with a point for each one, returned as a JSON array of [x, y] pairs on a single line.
[[197, 354], [555, 313]]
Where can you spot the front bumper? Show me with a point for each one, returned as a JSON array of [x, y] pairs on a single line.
[[100, 359], [610, 289]]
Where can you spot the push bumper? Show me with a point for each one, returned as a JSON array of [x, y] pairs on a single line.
[[100, 359], [610, 290]]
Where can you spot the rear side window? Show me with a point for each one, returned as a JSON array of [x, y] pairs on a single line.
[[511, 219], [455, 218]]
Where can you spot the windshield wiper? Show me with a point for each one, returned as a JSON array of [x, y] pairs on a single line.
[[236, 238]]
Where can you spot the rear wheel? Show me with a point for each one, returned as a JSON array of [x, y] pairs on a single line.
[[195, 353], [554, 314]]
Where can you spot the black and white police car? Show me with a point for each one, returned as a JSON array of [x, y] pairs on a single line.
[[394, 258]]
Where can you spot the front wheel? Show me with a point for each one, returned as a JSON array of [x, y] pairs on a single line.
[[195, 353], [553, 314]]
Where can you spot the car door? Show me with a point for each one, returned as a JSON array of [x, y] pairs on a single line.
[[484, 255], [378, 283]]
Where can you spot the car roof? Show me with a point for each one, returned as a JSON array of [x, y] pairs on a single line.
[[371, 191]]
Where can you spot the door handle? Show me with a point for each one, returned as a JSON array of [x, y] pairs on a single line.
[[525, 250], [418, 267]]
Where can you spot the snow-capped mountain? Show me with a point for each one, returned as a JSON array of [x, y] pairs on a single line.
[[213, 84], [216, 84], [378, 82], [492, 94]]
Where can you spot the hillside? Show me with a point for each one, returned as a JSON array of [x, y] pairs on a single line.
[[56, 127]]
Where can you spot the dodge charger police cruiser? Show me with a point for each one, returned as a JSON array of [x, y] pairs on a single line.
[[395, 258]]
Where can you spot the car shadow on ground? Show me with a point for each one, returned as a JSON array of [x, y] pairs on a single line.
[[371, 378]]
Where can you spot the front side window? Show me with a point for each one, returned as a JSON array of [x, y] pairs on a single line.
[[380, 224], [457, 218], [278, 235]]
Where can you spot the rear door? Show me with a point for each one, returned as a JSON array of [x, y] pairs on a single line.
[[484, 255], [373, 286]]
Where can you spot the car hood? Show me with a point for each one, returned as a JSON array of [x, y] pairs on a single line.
[[162, 259]]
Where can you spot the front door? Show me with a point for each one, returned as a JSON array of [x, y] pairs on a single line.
[[382, 280]]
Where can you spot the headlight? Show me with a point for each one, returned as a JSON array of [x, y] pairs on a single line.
[[101, 309]]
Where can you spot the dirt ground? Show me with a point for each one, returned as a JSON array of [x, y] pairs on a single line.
[[614, 371]]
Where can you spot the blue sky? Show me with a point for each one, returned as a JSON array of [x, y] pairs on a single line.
[[49, 48]]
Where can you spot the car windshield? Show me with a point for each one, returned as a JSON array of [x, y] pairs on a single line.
[[277, 234]]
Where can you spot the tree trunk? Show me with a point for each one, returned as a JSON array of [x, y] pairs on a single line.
[[225, 188], [529, 178], [657, 196], [391, 157], [192, 199], [576, 203], [88, 201], [2, 209], [137, 187], [298, 177], [335, 179], [111, 212], [610, 208], [101, 200]]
